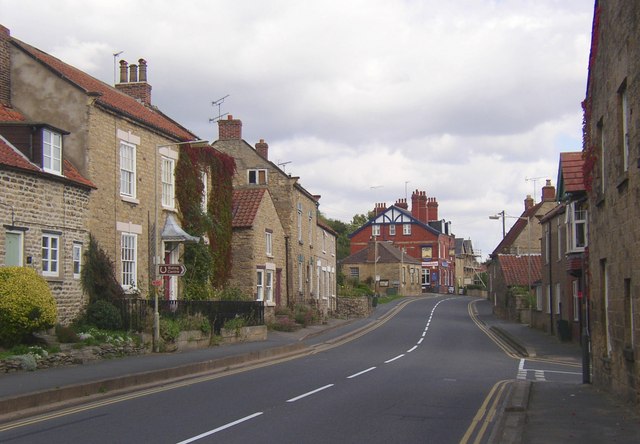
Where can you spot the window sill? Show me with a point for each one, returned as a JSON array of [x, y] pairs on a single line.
[[53, 278], [622, 182], [170, 209], [130, 200]]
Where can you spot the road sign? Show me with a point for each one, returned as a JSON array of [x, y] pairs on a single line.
[[171, 269]]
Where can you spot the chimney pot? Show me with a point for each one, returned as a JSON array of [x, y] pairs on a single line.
[[230, 129], [124, 78], [133, 73], [548, 192], [142, 70]]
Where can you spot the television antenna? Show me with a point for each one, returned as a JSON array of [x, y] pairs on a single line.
[[115, 57], [535, 181], [218, 103], [283, 164]]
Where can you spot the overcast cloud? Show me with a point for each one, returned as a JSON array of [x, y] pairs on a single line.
[[464, 99]]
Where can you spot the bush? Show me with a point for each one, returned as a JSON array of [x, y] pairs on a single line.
[[26, 304], [104, 315], [98, 275], [169, 329], [232, 294], [66, 335], [305, 315]]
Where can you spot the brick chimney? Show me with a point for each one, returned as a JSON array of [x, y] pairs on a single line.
[[379, 208], [419, 205], [5, 66], [402, 203], [229, 129], [548, 192], [528, 202], [133, 81], [432, 209], [262, 148]]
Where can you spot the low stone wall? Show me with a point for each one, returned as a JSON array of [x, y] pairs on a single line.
[[478, 293], [348, 308], [70, 356], [244, 334]]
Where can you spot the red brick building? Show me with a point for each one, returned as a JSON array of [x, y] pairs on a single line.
[[419, 233]]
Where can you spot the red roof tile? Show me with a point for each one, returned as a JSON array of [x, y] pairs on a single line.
[[109, 96], [8, 114], [572, 177], [245, 206], [520, 270]]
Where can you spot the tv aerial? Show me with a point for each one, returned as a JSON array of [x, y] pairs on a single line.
[[218, 103]]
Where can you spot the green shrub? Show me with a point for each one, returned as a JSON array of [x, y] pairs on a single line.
[[235, 324], [98, 275], [169, 329], [232, 294], [26, 304], [104, 315], [305, 315]]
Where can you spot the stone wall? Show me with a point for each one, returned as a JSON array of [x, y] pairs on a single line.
[[43, 205], [349, 308]]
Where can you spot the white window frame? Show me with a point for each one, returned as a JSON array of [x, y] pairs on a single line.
[[128, 260], [299, 221], [268, 286], [426, 276], [204, 201], [256, 179], [268, 239], [76, 256], [559, 243], [168, 182], [50, 254], [624, 103], [52, 152], [260, 284], [576, 218], [406, 229], [127, 169], [392, 229], [300, 274], [375, 230], [324, 241]]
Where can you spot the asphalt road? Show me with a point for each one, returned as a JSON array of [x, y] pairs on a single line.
[[428, 374]]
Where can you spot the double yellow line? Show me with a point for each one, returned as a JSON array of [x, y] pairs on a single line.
[[485, 414]]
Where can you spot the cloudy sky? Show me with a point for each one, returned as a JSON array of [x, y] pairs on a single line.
[[469, 100]]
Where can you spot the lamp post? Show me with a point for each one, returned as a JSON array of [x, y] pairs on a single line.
[[502, 214], [157, 244]]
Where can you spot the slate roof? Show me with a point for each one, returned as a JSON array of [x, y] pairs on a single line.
[[246, 203], [570, 173], [108, 96], [515, 269]]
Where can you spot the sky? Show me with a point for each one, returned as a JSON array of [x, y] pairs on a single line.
[[366, 101]]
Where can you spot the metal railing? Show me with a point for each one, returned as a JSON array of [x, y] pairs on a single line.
[[137, 314]]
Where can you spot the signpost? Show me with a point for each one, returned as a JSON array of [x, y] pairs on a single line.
[[171, 270]]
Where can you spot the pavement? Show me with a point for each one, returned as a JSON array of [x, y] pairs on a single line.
[[531, 412]]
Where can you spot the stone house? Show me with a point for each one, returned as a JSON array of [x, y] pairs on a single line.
[[398, 272], [510, 276], [325, 258], [467, 266], [43, 206], [120, 142], [522, 239], [258, 248], [612, 181], [297, 210], [420, 232], [563, 244]]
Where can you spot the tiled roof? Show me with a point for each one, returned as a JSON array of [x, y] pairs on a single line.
[[245, 206], [8, 114], [520, 270], [11, 157], [571, 177], [387, 254], [108, 96]]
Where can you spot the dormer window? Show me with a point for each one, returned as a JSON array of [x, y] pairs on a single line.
[[257, 177], [52, 152]]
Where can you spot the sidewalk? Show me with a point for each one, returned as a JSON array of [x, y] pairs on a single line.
[[552, 412]]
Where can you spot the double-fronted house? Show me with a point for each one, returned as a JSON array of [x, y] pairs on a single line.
[[420, 233], [397, 272], [43, 206], [612, 181], [117, 140], [310, 272]]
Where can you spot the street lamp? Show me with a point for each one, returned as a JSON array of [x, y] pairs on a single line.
[[157, 242]]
